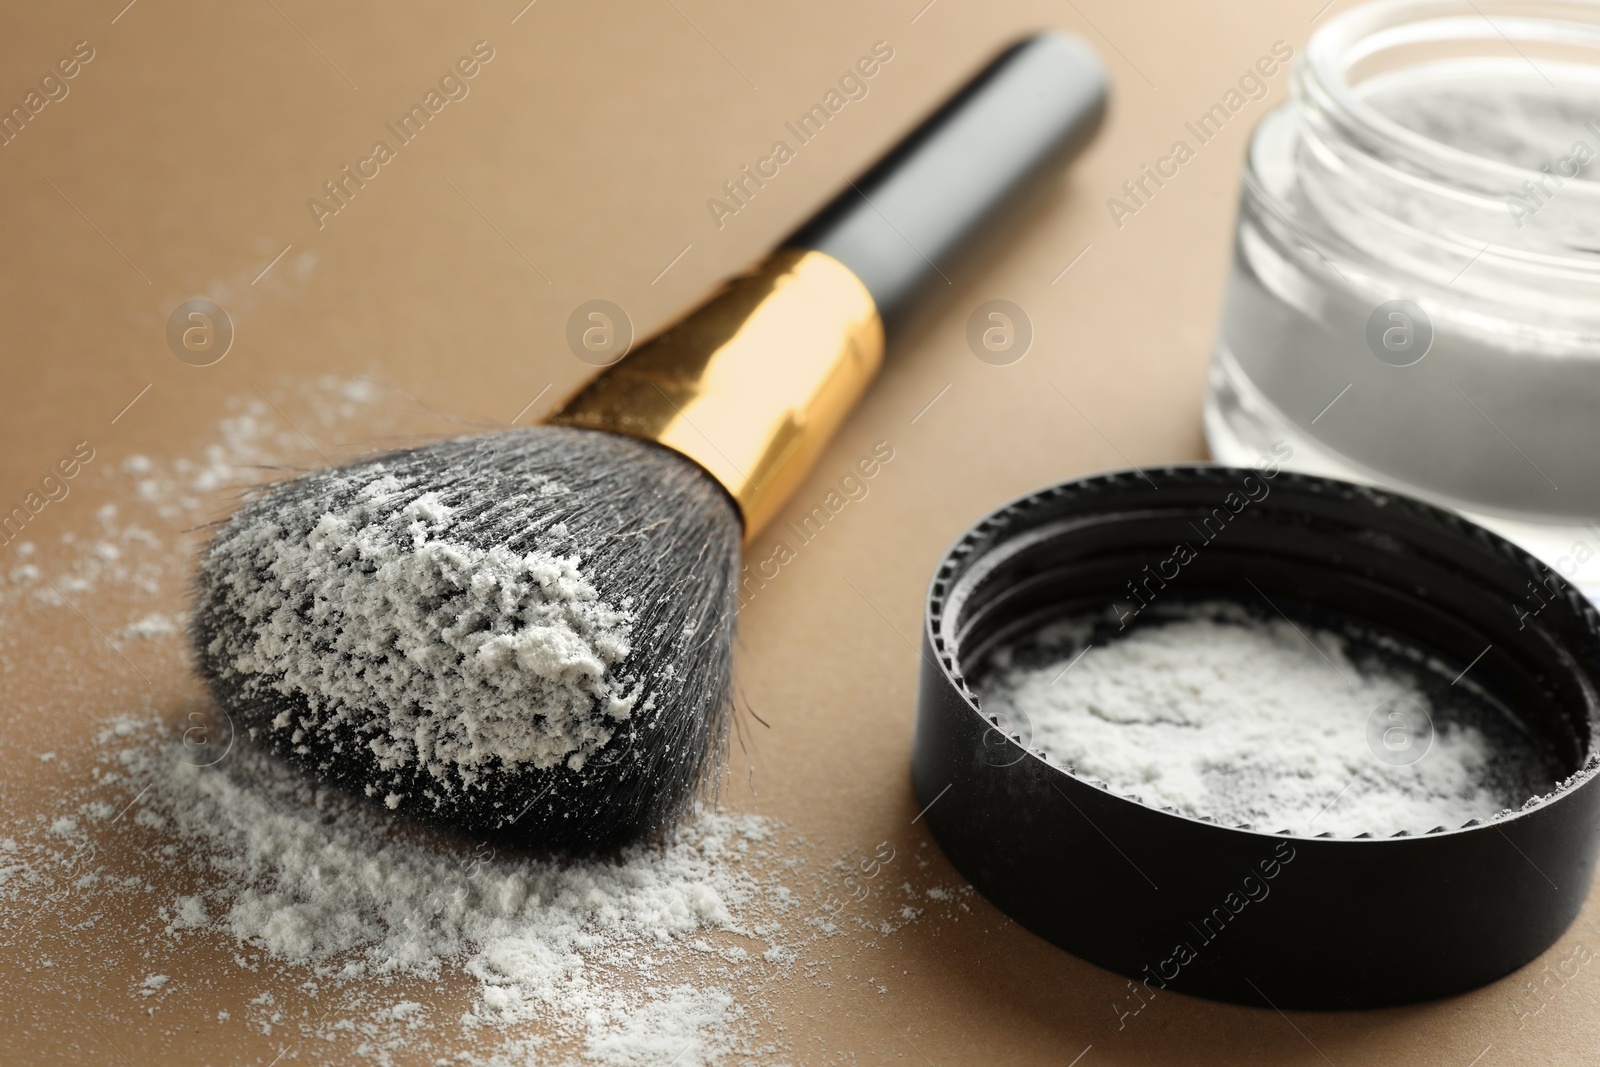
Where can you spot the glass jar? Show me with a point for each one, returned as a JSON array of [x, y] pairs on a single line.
[[1415, 293]]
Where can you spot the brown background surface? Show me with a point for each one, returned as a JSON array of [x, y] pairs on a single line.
[[578, 168]]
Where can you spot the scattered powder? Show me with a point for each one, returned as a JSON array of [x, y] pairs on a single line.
[[311, 876], [341, 934], [470, 659], [154, 624], [188, 913], [659, 955], [253, 443], [1247, 722]]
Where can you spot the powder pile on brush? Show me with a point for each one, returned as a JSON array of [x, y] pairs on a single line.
[[1247, 722], [528, 631], [471, 658]]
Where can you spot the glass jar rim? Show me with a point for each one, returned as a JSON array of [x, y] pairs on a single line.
[[1368, 30]]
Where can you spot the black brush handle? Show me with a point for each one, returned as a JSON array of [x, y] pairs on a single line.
[[897, 225]]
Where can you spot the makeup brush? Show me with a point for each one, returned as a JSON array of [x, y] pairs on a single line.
[[528, 633]]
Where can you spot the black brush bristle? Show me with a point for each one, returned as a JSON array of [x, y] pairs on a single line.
[[650, 532]]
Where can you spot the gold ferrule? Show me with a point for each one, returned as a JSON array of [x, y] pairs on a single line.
[[753, 383]]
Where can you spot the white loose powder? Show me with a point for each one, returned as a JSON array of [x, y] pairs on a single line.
[[1247, 722], [312, 876], [441, 654], [361, 926], [644, 958], [240, 905]]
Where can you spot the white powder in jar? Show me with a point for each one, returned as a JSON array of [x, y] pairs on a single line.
[[1246, 722]]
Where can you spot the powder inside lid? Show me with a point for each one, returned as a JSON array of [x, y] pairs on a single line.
[[1254, 722]]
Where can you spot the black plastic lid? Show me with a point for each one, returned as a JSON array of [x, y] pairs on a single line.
[[1237, 913]]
